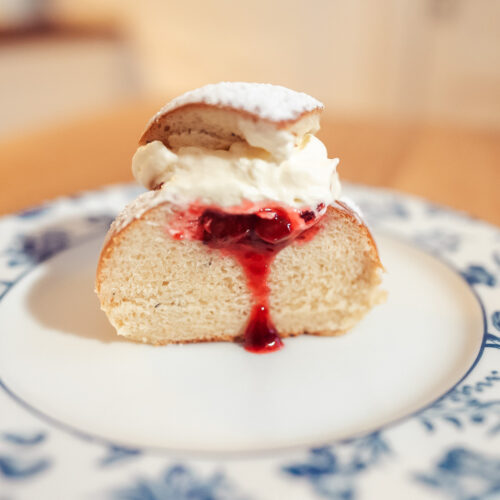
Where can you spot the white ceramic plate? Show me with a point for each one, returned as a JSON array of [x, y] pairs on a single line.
[[405, 405]]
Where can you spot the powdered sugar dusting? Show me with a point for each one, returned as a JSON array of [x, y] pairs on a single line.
[[270, 102], [135, 210]]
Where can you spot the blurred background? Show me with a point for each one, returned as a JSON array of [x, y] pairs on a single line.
[[411, 87]]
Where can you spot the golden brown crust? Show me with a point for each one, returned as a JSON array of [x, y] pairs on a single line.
[[155, 130], [220, 338], [347, 212]]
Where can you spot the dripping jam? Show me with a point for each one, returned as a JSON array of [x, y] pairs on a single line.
[[253, 239]]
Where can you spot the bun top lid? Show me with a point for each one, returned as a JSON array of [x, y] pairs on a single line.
[[266, 101], [214, 115]]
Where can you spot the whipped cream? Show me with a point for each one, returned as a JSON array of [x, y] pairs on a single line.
[[280, 143], [302, 176]]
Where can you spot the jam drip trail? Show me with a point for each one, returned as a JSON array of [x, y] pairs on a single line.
[[254, 240], [260, 334]]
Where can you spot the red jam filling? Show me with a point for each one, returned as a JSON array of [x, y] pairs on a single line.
[[253, 238]]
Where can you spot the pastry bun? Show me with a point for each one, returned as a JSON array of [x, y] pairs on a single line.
[[262, 267]]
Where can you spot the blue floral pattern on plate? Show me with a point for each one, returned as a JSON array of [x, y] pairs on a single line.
[[463, 474], [179, 482], [465, 405], [20, 457], [333, 470], [117, 454], [460, 433]]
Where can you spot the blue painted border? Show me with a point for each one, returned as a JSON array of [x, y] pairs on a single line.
[[93, 438]]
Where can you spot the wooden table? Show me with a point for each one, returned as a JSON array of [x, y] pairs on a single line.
[[456, 167]]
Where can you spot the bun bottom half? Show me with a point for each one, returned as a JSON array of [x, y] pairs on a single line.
[[159, 290]]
